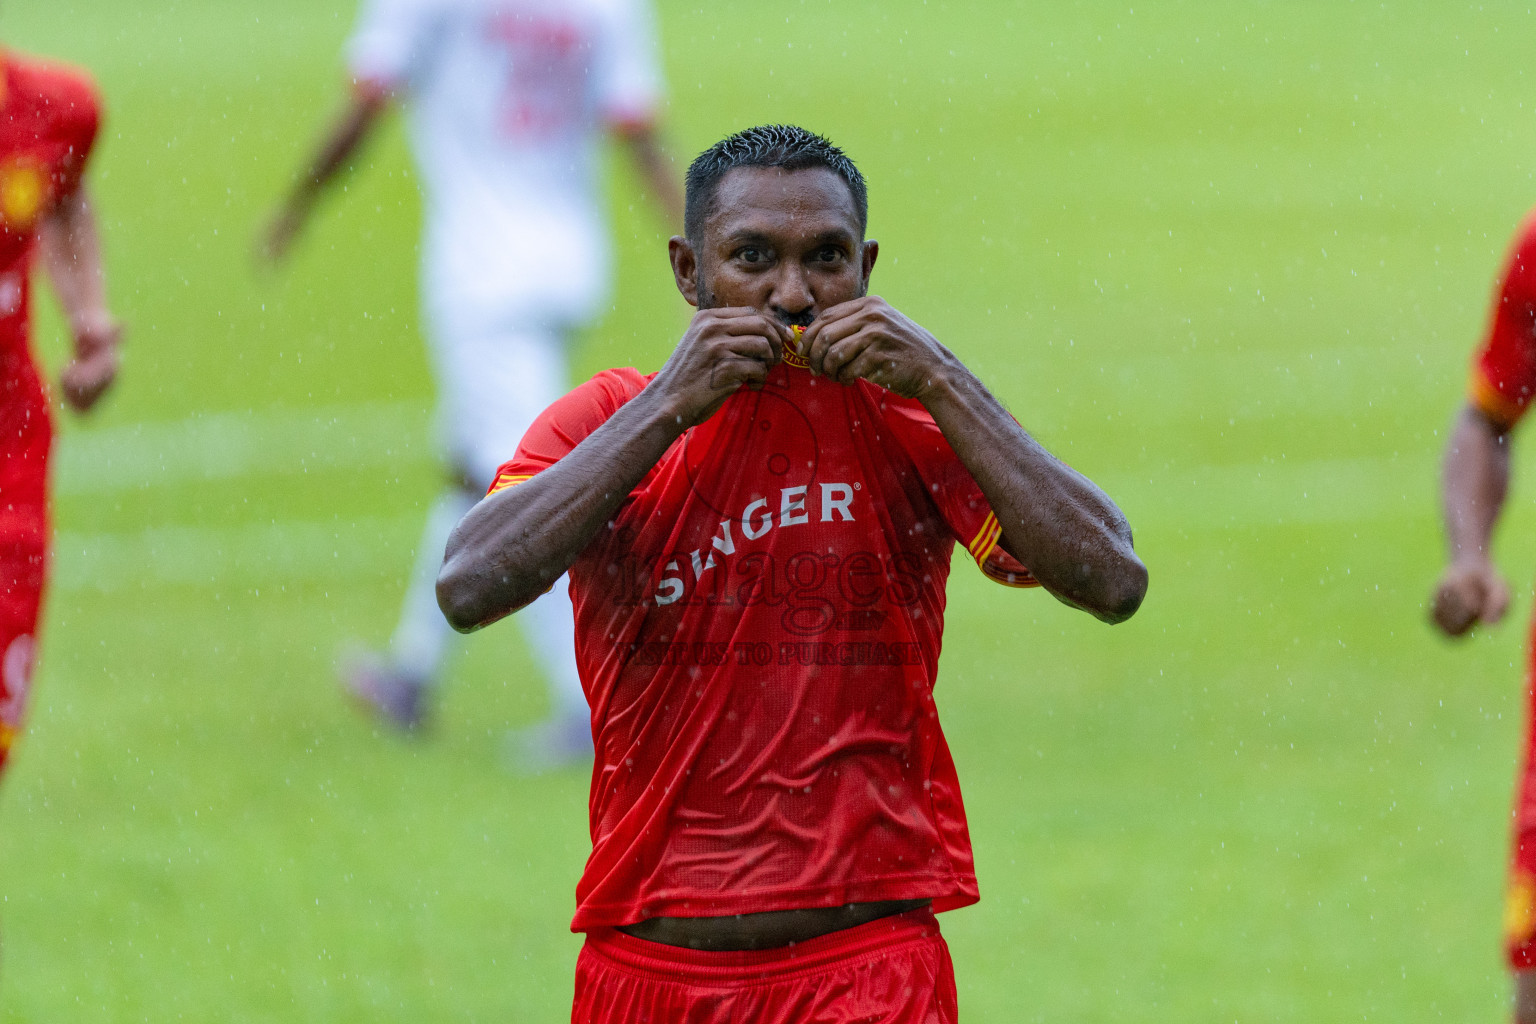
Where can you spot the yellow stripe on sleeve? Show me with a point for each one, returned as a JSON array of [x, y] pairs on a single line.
[[985, 545], [1481, 392], [1520, 910], [986, 538], [506, 480], [1024, 581]]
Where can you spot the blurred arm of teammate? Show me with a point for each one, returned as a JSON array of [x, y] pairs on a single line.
[[516, 542], [644, 144], [1474, 482], [1054, 520], [71, 251], [336, 148]]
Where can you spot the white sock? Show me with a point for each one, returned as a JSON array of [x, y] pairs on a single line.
[[422, 636]]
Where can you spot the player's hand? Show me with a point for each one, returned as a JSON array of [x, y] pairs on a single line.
[[722, 351], [870, 339], [87, 376], [1468, 593]]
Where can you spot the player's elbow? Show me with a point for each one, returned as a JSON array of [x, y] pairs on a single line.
[[472, 596], [458, 599], [468, 595], [1125, 587]]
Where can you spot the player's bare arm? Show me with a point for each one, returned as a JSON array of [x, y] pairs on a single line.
[[515, 543], [1474, 482], [70, 245], [1054, 520], [644, 145], [337, 146]]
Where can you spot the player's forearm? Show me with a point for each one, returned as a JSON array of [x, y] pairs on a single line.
[[657, 171], [515, 543], [71, 251], [1474, 482], [337, 147], [1056, 521]]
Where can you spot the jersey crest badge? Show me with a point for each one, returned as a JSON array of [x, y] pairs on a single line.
[[792, 355], [23, 189]]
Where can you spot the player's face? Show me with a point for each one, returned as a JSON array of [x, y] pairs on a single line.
[[784, 242]]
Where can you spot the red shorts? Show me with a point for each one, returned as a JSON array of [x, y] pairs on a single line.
[[1520, 904], [892, 971], [23, 569]]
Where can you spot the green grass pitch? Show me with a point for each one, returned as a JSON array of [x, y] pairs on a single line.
[[1228, 259]]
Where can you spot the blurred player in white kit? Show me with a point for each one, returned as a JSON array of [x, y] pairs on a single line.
[[508, 102]]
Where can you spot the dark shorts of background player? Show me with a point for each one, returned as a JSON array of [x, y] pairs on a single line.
[[892, 971], [1520, 905]]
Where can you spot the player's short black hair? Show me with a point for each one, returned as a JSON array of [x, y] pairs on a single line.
[[769, 145]]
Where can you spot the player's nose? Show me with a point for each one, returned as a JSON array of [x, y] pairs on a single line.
[[792, 291]]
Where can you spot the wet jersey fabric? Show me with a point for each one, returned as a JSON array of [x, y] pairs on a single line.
[[758, 631], [48, 120], [895, 970], [1503, 382], [1504, 368]]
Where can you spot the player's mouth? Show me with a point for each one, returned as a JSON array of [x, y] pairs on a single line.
[[801, 320]]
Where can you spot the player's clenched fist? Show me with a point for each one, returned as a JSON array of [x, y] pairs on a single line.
[[722, 351], [869, 338], [1470, 592], [88, 375]]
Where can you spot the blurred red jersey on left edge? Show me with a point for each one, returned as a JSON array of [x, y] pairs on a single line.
[[48, 121]]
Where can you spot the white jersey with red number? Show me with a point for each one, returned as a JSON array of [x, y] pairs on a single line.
[[508, 101]]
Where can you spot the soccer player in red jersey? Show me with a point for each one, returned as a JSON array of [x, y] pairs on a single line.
[[758, 538], [1475, 482], [48, 120]]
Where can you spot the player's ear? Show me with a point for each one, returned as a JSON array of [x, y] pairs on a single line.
[[685, 268], [870, 252]]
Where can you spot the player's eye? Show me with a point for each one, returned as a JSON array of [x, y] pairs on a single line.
[[751, 254], [829, 254]]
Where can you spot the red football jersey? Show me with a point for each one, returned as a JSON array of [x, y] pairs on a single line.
[[758, 633], [48, 120], [1504, 369]]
